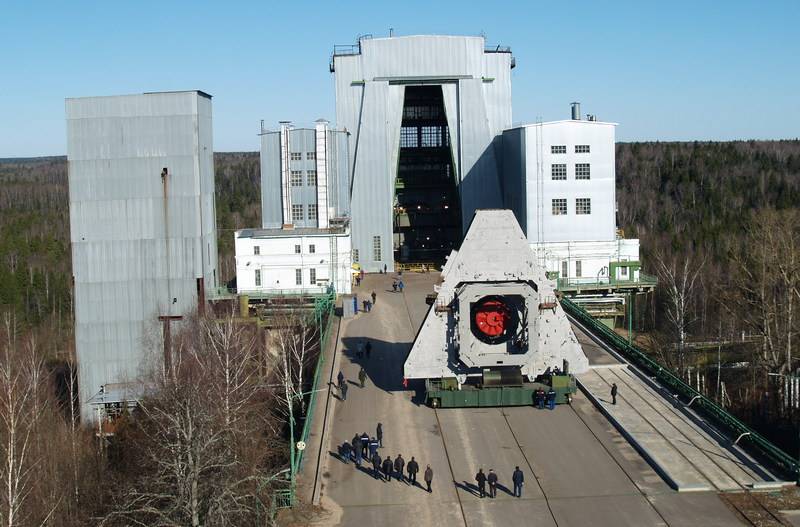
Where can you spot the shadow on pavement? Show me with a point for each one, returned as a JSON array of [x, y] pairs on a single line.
[[469, 487], [385, 366]]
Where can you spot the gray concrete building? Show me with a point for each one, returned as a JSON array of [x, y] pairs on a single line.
[[304, 176], [425, 114], [142, 226]]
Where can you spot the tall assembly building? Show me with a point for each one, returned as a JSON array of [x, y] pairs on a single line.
[[142, 226], [425, 114]]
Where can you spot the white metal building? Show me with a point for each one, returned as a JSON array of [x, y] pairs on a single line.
[[451, 95], [292, 261], [142, 227], [559, 179]]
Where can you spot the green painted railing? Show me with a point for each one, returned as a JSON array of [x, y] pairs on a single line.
[[592, 282], [737, 431]]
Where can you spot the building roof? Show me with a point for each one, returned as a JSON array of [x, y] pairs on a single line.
[[198, 92], [289, 233], [562, 121]]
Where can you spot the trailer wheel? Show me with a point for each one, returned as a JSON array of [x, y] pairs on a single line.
[[435, 402]]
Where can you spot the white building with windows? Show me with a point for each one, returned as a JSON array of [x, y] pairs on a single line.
[[559, 179], [293, 261]]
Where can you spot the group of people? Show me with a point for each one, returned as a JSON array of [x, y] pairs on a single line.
[[540, 398], [517, 478], [363, 447], [398, 285], [366, 304]]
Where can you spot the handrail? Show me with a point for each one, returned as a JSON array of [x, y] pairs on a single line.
[[727, 422]]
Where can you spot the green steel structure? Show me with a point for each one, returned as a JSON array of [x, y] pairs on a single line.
[[736, 430]]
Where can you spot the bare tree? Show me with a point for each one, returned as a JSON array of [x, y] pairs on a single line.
[[297, 341], [678, 282]]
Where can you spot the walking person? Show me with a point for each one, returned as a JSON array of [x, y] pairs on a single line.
[[364, 444], [492, 479], [399, 464], [376, 466], [373, 447], [379, 435], [340, 379], [384, 268], [614, 393], [387, 468], [394, 286], [413, 468], [551, 399], [368, 348], [374, 297], [480, 477], [360, 350], [429, 477], [362, 376], [357, 449], [541, 397], [344, 391], [346, 452], [400, 285], [518, 478]]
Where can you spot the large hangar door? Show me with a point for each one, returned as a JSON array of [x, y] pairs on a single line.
[[427, 210]]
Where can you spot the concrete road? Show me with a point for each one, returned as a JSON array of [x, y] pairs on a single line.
[[578, 469]]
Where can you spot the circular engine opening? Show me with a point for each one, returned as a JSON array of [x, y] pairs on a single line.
[[494, 319]]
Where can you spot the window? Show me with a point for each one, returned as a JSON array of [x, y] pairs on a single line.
[[312, 276], [623, 271], [312, 248], [581, 149], [311, 156], [558, 149], [296, 178], [564, 269], [355, 255], [582, 171], [583, 206], [298, 277], [296, 249], [376, 248], [297, 213], [559, 206], [258, 277], [311, 178], [312, 212], [296, 156], [578, 268], [431, 136], [408, 137], [257, 250], [559, 171]]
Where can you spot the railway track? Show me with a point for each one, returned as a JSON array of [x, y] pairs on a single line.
[[758, 516]]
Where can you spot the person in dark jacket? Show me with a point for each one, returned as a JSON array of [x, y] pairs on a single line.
[[344, 391], [362, 376], [357, 449], [364, 444], [340, 379], [373, 447], [346, 452], [551, 399], [368, 348], [429, 477], [492, 479], [480, 477], [379, 435], [387, 468], [399, 464], [376, 466], [540, 393], [413, 468], [518, 478], [614, 393], [374, 297]]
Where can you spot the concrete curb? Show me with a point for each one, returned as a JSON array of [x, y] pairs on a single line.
[[643, 451]]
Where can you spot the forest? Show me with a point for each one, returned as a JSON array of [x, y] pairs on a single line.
[[718, 223]]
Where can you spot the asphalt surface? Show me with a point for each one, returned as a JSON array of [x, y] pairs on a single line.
[[578, 469]]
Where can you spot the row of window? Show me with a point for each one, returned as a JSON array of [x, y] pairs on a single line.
[[298, 212], [296, 178], [423, 136], [562, 149], [297, 249], [582, 206], [558, 171], [298, 277], [298, 156], [377, 253]]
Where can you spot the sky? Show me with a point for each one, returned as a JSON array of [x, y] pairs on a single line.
[[664, 71]]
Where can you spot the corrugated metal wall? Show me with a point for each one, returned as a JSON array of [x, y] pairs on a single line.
[[137, 255], [477, 92]]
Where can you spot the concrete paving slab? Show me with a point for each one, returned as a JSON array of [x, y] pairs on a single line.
[[522, 511], [693, 509], [617, 511]]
